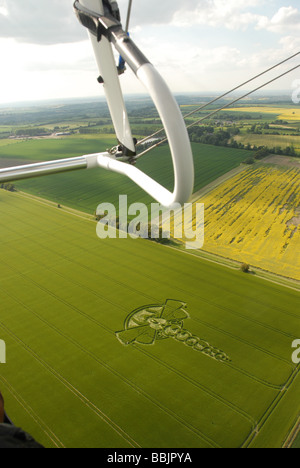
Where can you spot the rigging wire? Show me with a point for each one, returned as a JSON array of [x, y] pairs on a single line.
[[222, 96], [128, 16], [223, 107]]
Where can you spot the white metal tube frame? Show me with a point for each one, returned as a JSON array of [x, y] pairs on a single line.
[[105, 30]]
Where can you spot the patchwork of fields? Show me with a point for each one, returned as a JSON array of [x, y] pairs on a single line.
[[297, 442], [71, 383], [255, 218], [283, 113], [271, 141]]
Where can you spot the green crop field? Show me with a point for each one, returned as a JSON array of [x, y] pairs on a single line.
[[70, 303], [243, 114], [86, 189], [271, 141]]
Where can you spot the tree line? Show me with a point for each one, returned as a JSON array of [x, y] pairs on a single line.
[[8, 186], [145, 230], [208, 135]]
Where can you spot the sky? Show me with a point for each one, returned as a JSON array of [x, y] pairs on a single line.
[[198, 46]]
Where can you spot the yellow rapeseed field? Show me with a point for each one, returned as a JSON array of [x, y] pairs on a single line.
[[288, 113], [255, 218]]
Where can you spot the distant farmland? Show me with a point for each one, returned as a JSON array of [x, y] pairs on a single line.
[[65, 298], [271, 141], [291, 113]]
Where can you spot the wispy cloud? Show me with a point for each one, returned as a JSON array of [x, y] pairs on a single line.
[[39, 21], [287, 19], [231, 14]]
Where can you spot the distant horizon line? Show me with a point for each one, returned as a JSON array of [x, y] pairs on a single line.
[[35, 102]]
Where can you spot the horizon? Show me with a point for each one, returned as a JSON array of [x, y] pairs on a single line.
[[100, 98], [197, 46]]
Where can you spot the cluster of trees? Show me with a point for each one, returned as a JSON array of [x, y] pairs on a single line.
[[4, 135], [258, 129], [236, 116], [143, 111], [32, 131], [88, 130], [143, 230], [207, 135], [265, 129], [288, 151], [8, 186], [220, 137], [280, 122], [245, 268], [92, 127], [261, 153], [249, 161]]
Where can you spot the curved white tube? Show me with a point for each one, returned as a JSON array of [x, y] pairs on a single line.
[[113, 92], [157, 191], [176, 132], [165, 103], [167, 108], [179, 143]]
